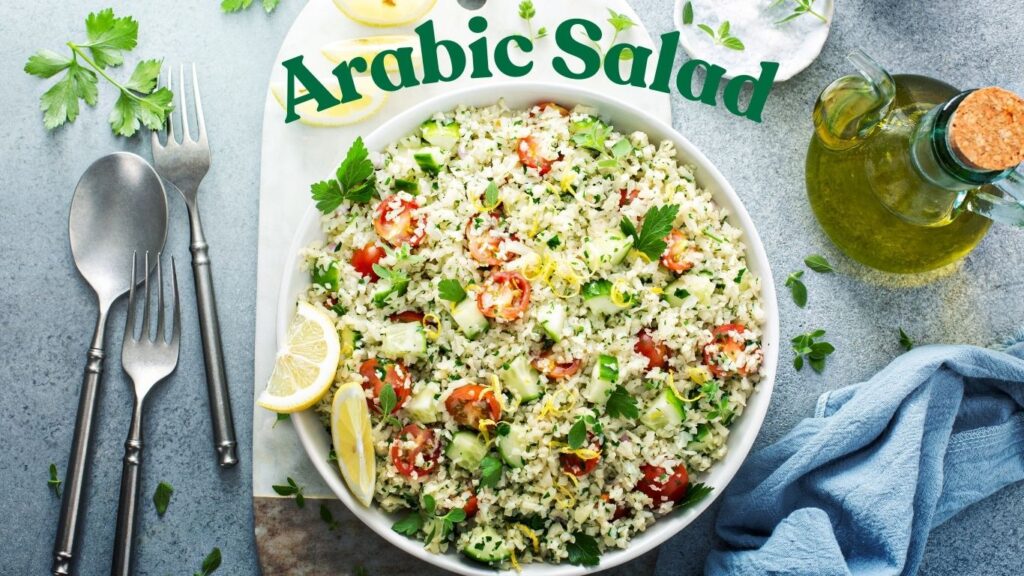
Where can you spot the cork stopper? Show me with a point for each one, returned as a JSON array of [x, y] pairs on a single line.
[[987, 130]]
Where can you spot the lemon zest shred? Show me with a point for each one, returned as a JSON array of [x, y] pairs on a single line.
[[531, 535], [657, 290], [431, 323], [582, 453], [641, 255], [484, 426], [512, 559], [567, 180], [670, 381], [618, 297], [573, 478]]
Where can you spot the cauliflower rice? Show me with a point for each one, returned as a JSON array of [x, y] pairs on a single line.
[[545, 226]]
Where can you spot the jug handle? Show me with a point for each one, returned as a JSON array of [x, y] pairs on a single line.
[[850, 109], [1004, 210]]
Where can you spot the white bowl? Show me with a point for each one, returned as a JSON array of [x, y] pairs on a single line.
[[316, 439]]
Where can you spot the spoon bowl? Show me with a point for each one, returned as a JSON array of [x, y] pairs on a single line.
[[119, 208]]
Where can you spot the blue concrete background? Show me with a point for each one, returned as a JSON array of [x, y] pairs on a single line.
[[47, 313]]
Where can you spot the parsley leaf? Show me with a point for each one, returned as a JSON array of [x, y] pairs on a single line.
[[657, 224], [694, 494], [451, 290], [620, 22], [687, 13], [239, 5], [819, 264], [409, 525], [806, 345], [281, 417], [490, 471], [291, 489], [578, 434], [905, 340], [797, 288], [628, 228], [583, 550], [54, 481], [621, 404], [139, 102], [210, 564], [388, 399], [328, 518], [354, 180], [162, 497], [391, 282], [593, 136]]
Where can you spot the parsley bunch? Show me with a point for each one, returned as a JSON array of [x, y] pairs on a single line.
[[439, 525], [108, 38], [354, 180], [657, 224]]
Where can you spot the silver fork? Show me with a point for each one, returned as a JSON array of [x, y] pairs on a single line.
[[147, 359], [184, 164]]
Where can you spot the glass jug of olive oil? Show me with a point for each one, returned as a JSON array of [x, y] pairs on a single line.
[[906, 173]]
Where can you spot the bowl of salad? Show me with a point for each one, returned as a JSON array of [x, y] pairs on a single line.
[[559, 317]]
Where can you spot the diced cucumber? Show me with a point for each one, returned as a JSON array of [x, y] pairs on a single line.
[[486, 545], [470, 320], [665, 412], [466, 450], [584, 124], [522, 379], [444, 135], [328, 276], [604, 253], [551, 317], [512, 445], [676, 292], [403, 185], [597, 297], [423, 406], [608, 368], [430, 159], [404, 339], [387, 287], [700, 439], [700, 287], [602, 380]]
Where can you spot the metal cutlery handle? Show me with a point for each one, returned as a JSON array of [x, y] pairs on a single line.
[[128, 502], [209, 327], [74, 481]]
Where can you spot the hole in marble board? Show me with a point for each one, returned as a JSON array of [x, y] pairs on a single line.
[[472, 4]]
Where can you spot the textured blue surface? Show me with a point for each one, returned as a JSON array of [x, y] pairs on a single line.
[[47, 313]]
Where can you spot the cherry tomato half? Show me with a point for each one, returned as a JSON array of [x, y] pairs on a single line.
[[621, 511], [485, 239], [546, 364], [471, 506], [676, 250], [578, 466], [724, 347], [505, 295], [529, 155], [661, 486], [364, 258], [656, 352], [425, 442], [375, 374], [627, 196], [470, 404], [397, 222], [407, 316]]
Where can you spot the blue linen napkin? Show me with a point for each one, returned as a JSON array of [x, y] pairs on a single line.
[[857, 488]]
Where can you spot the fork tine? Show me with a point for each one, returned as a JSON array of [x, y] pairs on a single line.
[[129, 323], [160, 335], [145, 312], [154, 135], [200, 119], [186, 132], [176, 328], [171, 141]]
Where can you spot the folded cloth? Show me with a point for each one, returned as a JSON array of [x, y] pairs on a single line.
[[856, 489]]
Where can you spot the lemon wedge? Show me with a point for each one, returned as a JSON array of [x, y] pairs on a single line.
[[384, 13], [368, 49], [342, 114], [353, 441], [305, 367]]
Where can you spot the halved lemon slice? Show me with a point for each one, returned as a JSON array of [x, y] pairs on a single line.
[[353, 441], [369, 48], [305, 366], [384, 13], [342, 114]]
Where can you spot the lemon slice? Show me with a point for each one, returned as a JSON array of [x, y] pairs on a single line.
[[369, 48], [353, 441], [342, 114], [305, 366], [384, 13]]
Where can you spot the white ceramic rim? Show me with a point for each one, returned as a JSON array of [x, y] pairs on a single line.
[[317, 441], [814, 51]]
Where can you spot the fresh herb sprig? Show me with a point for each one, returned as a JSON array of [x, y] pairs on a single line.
[[802, 7], [210, 564], [162, 497], [108, 39], [54, 481], [797, 289], [527, 12], [807, 346], [354, 180], [620, 23], [291, 489], [439, 525], [722, 37], [695, 492], [388, 401], [393, 282], [229, 6], [650, 240]]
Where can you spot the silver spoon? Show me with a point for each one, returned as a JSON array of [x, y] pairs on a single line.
[[119, 208]]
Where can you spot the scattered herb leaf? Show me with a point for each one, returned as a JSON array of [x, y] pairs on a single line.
[[797, 288], [805, 345], [694, 494], [583, 550], [802, 7], [409, 525], [819, 264], [239, 5], [722, 37], [527, 12], [281, 416], [162, 497], [54, 481], [490, 471], [578, 434], [210, 564], [451, 290], [492, 196], [621, 404], [905, 340], [688, 13], [328, 518], [291, 489]]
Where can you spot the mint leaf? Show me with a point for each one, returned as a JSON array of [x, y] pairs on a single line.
[[578, 434], [819, 264], [451, 290], [797, 288]]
